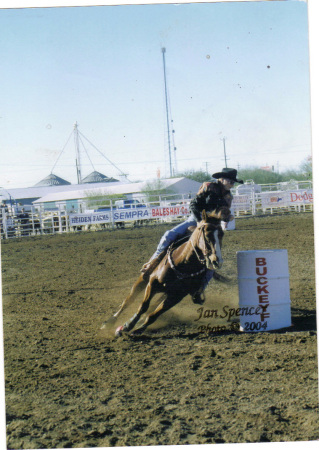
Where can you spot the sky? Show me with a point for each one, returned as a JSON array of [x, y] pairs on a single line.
[[234, 70]]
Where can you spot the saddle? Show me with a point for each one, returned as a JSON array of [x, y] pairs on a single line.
[[155, 262]]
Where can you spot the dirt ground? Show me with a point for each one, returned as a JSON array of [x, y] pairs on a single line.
[[70, 384]]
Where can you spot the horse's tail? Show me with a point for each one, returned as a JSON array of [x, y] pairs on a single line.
[[138, 286]]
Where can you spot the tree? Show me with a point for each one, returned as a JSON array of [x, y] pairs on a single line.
[[306, 167], [198, 175], [259, 176], [95, 199], [153, 189]]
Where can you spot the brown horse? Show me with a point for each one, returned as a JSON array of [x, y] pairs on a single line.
[[179, 273]]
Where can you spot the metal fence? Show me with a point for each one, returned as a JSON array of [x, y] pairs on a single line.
[[18, 224], [33, 221]]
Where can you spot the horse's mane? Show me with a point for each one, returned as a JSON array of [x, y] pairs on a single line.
[[217, 215], [214, 218]]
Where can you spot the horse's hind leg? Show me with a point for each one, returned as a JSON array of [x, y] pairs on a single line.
[[165, 305], [130, 324], [138, 287]]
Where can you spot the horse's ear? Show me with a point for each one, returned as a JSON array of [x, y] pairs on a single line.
[[219, 214], [204, 215]]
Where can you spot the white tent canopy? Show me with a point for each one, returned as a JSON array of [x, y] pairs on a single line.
[[175, 185]]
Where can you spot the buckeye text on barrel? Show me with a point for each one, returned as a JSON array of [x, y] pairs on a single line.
[[263, 285]]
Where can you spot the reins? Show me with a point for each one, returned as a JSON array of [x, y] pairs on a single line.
[[179, 274], [202, 261], [205, 251]]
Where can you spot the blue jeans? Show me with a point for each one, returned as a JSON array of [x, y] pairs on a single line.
[[173, 234], [178, 232]]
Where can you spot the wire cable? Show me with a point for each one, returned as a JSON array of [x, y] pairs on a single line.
[[86, 152], [117, 168], [61, 152]]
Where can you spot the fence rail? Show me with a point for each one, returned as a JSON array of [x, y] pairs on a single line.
[[32, 221]]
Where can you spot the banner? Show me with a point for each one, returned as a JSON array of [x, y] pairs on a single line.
[[286, 198], [129, 214], [89, 218], [241, 202], [274, 199], [301, 197], [170, 211]]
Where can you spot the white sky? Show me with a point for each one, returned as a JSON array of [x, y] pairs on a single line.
[[234, 69]]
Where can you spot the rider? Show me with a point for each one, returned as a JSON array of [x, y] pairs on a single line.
[[211, 195]]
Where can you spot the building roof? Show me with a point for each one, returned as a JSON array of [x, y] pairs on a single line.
[[97, 177], [177, 185], [52, 180], [36, 192]]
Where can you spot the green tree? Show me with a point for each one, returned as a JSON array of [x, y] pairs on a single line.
[[259, 176], [306, 168], [96, 199], [198, 175], [153, 189]]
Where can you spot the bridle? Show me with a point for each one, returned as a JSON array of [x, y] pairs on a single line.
[[180, 275], [207, 251]]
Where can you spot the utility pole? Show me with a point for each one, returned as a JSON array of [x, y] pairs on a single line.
[[77, 151], [225, 151], [167, 118]]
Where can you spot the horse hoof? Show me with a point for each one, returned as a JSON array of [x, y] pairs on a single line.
[[119, 331]]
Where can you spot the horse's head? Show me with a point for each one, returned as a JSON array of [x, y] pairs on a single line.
[[216, 216], [211, 236]]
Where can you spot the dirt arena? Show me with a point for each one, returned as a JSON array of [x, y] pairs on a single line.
[[70, 384]]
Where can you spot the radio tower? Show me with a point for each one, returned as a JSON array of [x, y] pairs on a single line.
[[171, 168], [77, 151]]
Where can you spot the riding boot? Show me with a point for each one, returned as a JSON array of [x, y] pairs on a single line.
[[148, 267]]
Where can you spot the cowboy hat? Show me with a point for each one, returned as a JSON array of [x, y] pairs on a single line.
[[229, 174]]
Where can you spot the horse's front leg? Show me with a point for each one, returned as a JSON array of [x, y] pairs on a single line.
[[170, 301], [130, 324]]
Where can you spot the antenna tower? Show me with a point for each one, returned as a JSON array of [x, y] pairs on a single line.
[[77, 151], [171, 168]]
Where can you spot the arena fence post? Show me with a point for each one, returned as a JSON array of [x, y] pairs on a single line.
[[253, 200], [60, 219], [112, 216], [32, 219]]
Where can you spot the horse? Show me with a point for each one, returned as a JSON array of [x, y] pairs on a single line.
[[179, 273]]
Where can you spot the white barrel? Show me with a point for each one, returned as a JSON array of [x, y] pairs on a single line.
[[264, 293], [228, 226]]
